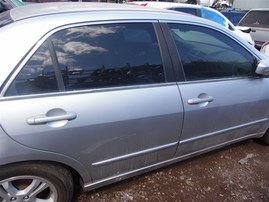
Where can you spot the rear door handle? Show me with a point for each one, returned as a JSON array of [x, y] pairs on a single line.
[[200, 99], [43, 120], [52, 116]]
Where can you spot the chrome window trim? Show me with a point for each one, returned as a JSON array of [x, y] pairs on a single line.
[[216, 133], [87, 91], [217, 80], [87, 186], [134, 154]]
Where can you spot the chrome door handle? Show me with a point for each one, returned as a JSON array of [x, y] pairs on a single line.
[[52, 116], [198, 100]]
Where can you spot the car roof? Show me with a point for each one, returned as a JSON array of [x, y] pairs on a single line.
[[41, 9], [157, 4]]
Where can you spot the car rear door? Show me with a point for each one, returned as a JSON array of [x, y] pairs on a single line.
[[100, 94], [224, 100]]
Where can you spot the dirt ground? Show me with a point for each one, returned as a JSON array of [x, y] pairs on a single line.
[[236, 173]]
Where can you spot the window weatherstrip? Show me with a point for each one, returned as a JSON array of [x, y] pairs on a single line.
[[56, 67], [175, 57], [165, 56]]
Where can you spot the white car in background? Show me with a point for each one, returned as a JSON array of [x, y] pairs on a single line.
[[265, 49], [204, 12], [258, 21]]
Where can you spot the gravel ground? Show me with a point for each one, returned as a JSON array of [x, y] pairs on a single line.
[[236, 173]]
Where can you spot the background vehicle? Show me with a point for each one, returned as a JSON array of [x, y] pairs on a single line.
[[200, 11], [97, 94], [258, 21], [265, 49], [207, 3], [233, 15], [247, 5], [9, 4]]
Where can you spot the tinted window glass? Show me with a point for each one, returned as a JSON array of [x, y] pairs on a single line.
[[108, 56], [208, 54], [256, 19], [37, 76], [192, 11]]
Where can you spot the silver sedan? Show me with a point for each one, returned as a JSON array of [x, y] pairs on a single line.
[[96, 93]]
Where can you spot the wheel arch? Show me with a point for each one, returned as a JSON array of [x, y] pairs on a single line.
[[12, 152], [36, 181], [76, 175]]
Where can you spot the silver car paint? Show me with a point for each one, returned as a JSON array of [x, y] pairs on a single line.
[[109, 146], [12, 151], [242, 103], [105, 120]]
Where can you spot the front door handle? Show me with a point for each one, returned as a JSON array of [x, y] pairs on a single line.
[[200, 99], [52, 116]]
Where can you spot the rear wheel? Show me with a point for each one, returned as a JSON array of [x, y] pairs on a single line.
[[35, 182]]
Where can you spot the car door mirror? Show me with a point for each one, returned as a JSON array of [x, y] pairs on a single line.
[[244, 29], [263, 67]]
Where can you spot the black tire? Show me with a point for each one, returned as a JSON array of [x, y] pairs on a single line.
[[47, 181], [265, 138]]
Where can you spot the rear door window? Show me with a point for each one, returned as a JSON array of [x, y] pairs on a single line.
[[88, 57], [108, 56], [37, 76]]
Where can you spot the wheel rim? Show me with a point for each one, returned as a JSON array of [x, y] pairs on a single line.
[[27, 188]]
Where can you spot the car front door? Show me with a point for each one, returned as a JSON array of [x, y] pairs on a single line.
[[224, 100], [98, 94]]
